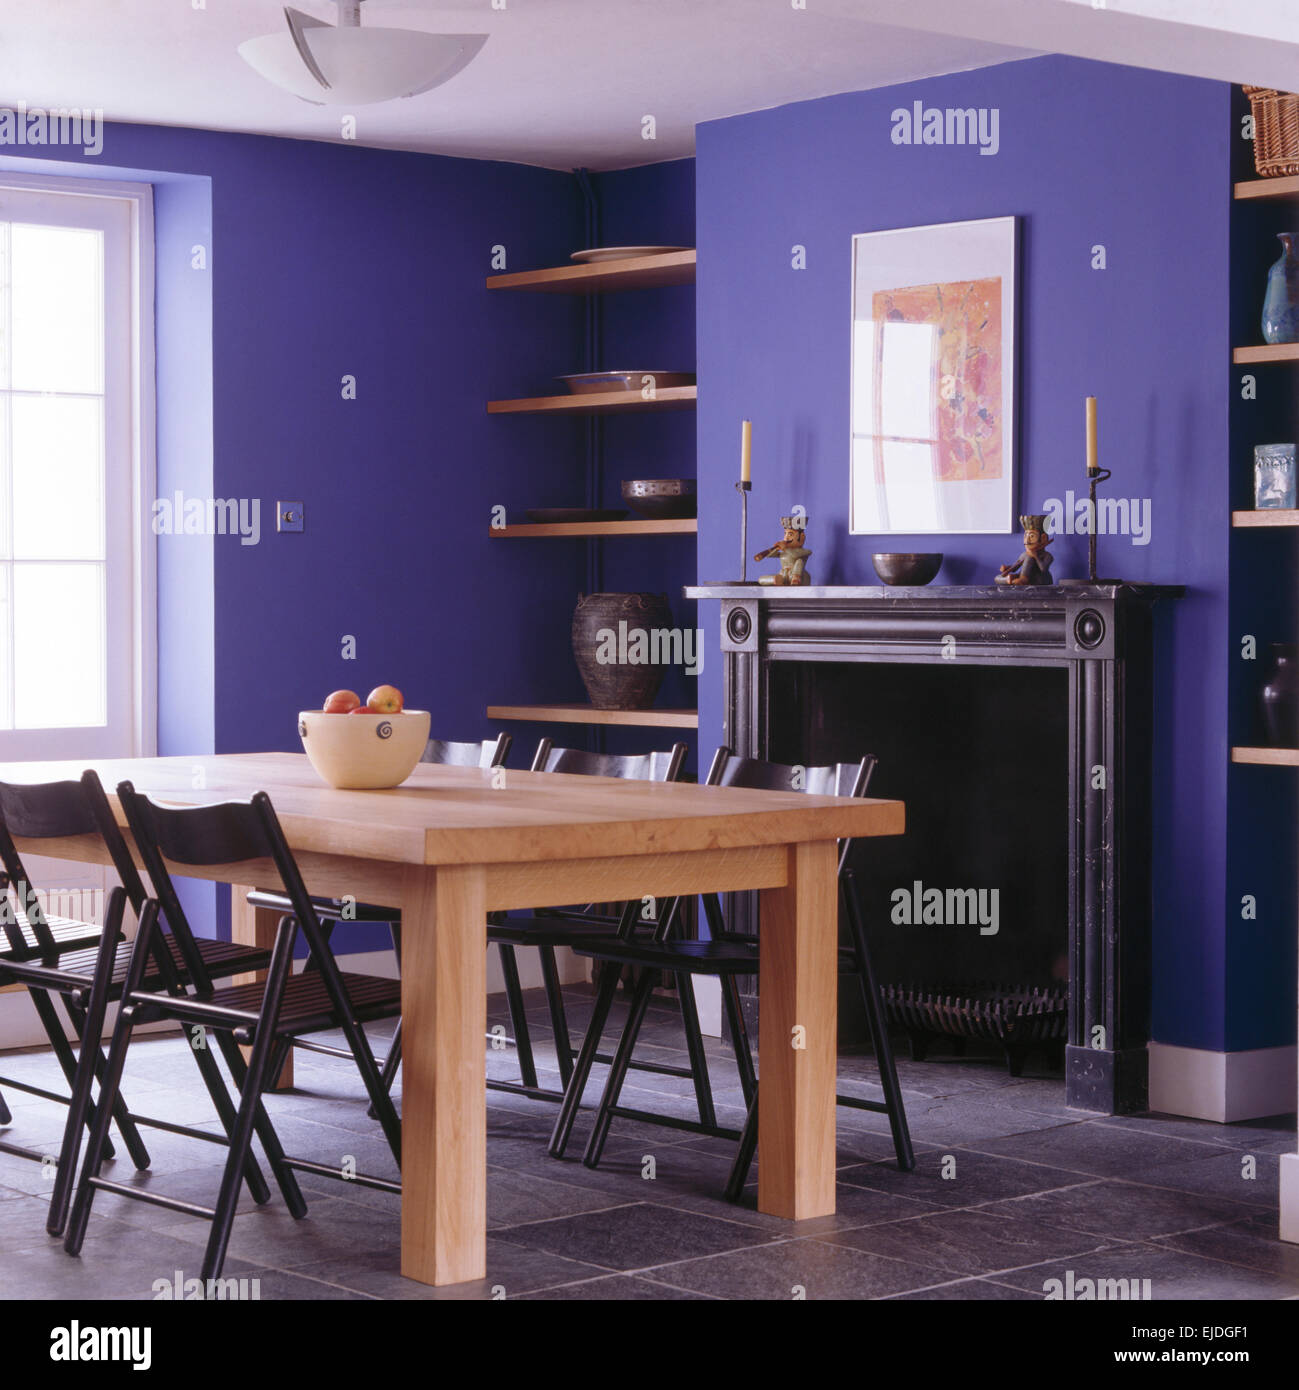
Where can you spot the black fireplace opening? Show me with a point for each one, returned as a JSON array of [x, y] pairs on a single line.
[[968, 912]]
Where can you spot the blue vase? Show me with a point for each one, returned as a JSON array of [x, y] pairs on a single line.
[[1281, 306]]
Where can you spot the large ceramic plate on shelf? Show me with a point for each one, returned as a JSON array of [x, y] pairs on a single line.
[[584, 383], [594, 254], [552, 515]]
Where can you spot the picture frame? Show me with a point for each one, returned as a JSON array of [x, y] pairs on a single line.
[[932, 425]]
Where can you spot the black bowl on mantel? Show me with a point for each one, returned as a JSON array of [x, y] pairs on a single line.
[[916, 568]]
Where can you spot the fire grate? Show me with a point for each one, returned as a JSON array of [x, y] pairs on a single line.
[[1019, 1017]]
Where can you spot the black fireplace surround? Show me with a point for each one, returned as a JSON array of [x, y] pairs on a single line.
[[1102, 638]]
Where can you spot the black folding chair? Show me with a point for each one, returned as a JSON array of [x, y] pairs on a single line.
[[85, 968], [491, 752], [548, 928], [729, 955], [264, 1017]]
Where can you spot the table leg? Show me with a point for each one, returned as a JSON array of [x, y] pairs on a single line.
[[798, 1036], [256, 926], [444, 1094]]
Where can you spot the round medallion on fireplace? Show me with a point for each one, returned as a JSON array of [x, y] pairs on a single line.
[[738, 625], [1089, 628]]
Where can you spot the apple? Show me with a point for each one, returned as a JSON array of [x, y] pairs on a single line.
[[363, 709], [385, 699], [342, 702]]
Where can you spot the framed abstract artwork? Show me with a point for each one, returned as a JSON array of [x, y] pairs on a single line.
[[933, 379]]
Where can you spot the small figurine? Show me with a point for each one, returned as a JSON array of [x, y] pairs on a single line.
[[1034, 565], [793, 554]]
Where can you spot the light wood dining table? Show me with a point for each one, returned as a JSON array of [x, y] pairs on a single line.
[[452, 844]]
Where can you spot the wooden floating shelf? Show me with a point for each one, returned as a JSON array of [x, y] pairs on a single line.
[[599, 403], [634, 273], [1266, 516], [587, 714], [1266, 352], [685, 527], [1268, 188], [1274, 757]]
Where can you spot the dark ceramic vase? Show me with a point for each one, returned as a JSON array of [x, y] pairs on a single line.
[[612, 642], [1281, 304], [1280, 697]]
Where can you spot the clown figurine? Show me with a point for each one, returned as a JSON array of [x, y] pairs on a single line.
[[1034, 565], [792, 552]]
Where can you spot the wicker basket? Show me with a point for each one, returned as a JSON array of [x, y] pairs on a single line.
[[1276, 131]]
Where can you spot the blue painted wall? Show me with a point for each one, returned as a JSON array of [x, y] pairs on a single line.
[[324, 261], [1089, 154]]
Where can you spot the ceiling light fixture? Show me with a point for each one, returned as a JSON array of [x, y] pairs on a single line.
[[346, 65]]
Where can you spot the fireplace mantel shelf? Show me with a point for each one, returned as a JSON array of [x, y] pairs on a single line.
[[937, 593]]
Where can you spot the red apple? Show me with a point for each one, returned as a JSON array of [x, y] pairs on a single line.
[[363, 709], [385, 699], [342, 702]]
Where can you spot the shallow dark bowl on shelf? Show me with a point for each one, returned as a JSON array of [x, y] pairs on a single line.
[[553, 515], [917, 567], [661, 499]]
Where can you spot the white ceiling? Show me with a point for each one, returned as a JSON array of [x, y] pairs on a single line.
[[563, 83]]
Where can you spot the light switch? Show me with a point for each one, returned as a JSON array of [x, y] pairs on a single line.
[[288, 516]]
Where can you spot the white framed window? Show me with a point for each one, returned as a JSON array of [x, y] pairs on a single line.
[[77, 560]]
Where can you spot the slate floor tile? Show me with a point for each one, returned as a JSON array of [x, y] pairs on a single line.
[[1253, 1242], [117, 1262], [634, 1237], [512, 1270], [1221, 1174], [614, 1287], [799, 1269], [1098, 1150], [969, 1242], [958, 1177], [1173, 1275], [1125, 1210], [967, 1291]]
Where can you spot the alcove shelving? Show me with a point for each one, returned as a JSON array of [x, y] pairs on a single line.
[[602, 277]]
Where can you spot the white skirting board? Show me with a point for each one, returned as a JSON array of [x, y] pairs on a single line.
[[1225, 1087], [1290, 1197], [19, 1026]]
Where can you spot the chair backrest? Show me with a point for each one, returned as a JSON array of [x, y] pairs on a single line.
[[230, 832], [57, 810], [832, 779], [645, 767], [491, 752]]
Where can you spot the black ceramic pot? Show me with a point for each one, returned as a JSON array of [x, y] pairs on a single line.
[[1279, 697], [613, 641]]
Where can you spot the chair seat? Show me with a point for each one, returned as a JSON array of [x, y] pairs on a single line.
[[76, 969], [306, 1007], [330, 909], [68, 934], [686, 957]]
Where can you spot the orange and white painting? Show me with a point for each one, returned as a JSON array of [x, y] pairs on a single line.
[[965, 384], [933, 374]]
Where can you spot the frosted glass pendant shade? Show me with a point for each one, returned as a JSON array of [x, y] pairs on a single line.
[[353, 66]]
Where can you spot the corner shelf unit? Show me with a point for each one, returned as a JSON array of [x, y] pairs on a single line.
[[685, 527], [588, 714], [1252, 190], [599, 403], [630, 273], [1272, 757]]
